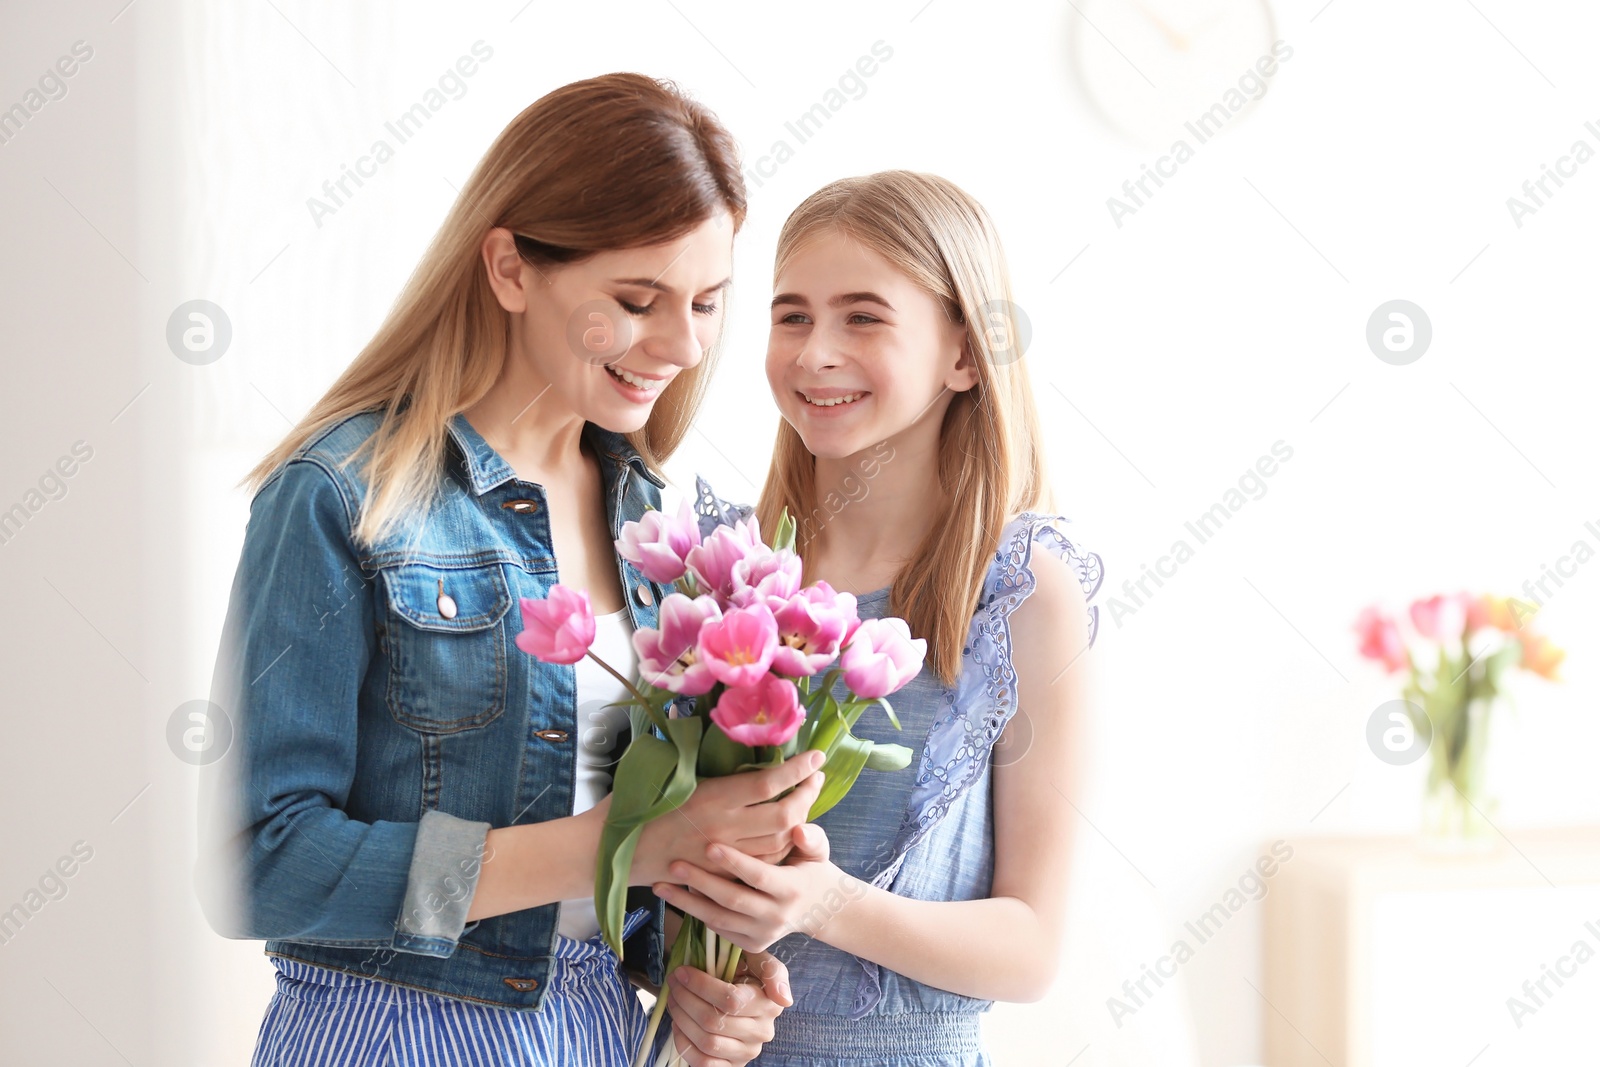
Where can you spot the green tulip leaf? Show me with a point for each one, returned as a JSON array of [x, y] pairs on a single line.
[[829, 724], [783, 537], [840, 772], [888, 758], [720, 754], [652, 778]]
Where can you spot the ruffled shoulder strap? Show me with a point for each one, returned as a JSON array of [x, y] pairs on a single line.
[[976, 709], [983, 700], [713, 511], [1011, 579]]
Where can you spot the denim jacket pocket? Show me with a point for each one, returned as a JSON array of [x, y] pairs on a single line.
[[446, 645]]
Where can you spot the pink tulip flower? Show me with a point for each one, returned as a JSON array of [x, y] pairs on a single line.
[[1480, 611], [812, 626], [669, 657], [760, 577], [1440, 618], [738, 648], [713, 559], [1380, 639], [659, 543], [881, 657], [766, 713], [559, 628]]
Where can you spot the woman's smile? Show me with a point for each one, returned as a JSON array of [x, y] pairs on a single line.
[[638, 388]]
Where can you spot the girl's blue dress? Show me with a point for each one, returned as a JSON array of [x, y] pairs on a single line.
[[925, 832]]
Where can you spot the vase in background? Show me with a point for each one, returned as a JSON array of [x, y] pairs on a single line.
[[1458, 810], [1453, 689]]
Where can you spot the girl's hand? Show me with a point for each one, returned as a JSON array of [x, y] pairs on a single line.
[[767, 902], [718, 1024], [732, 810]]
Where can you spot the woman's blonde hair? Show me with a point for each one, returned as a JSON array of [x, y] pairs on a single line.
[[619, 161], [991, 455]]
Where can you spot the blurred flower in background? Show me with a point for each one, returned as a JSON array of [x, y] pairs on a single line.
[[1463, 646]]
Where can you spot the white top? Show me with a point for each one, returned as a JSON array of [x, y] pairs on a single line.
[[599, 728]]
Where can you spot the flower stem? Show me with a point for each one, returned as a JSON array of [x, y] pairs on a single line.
[[650, 709], [650, 1032], [680, 949], [732, 964]]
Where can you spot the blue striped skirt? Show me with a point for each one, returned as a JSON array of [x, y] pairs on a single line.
[[325, 1018]]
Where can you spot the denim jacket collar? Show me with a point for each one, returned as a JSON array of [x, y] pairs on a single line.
[[486, 468]]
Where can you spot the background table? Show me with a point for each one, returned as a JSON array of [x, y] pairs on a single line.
[[1382, 953]]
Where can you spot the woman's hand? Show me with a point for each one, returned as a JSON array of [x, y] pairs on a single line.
[[718, 1024], [767, 902], [734, 811]]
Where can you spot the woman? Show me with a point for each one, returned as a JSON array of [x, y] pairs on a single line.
[[910, 453], [414, 808]]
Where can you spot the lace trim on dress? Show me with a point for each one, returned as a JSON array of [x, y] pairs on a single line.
[[713, 511]]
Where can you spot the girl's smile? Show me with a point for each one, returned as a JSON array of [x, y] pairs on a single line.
[[858, 352], [832, 402]]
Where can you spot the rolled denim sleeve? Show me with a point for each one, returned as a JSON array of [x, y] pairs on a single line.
[[445, 863], [280, 857]]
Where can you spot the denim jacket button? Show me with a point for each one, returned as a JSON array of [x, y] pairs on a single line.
[[642, 592]]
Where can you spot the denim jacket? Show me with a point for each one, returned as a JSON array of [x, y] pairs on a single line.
[[386, 720]]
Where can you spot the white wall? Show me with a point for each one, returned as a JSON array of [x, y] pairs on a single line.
[[83, 669], [1227, 314]]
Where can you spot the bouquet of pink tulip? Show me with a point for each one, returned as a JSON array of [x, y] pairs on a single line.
[[726, 682]]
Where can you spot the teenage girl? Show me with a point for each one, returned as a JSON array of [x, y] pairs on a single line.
[[411, 815], [910, 455]]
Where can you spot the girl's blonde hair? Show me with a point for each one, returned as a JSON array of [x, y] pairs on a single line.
[[618, 161], [991, 454]]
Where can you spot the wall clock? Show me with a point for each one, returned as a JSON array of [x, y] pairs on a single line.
[[1149, 67]]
